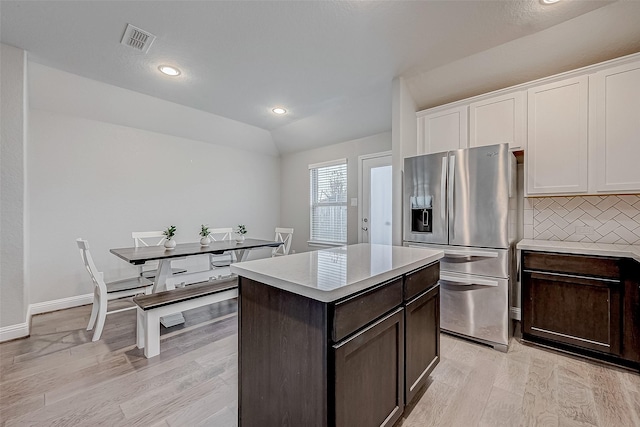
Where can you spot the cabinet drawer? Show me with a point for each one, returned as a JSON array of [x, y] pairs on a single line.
[[355, 312], [580, 265], [420, 280]]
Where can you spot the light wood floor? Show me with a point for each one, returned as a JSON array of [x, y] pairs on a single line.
[[59, 377]]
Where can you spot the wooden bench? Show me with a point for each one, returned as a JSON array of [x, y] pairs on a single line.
[[152, 307]]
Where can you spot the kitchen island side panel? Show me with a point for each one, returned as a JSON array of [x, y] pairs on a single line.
[[282, 358]]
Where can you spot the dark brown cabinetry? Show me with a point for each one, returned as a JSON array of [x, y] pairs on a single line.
[[304, 362], [369, 374], [580, 303], [422, 332], [631, 311]]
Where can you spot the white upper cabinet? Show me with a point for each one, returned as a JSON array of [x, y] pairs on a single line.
[[443, 130], [580, 131], [498, 120], [557, 144], [615, 129]]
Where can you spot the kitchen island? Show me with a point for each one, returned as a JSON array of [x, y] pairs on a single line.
[[337, 337]]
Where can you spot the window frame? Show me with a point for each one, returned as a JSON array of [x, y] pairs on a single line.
[[314, 203]]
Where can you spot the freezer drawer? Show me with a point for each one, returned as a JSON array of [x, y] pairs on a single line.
[[475, 306], [477, 261]]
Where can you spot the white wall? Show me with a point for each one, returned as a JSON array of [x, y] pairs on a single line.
[[295, 184], [13, 118], [55, 90], [605, 33], [101, 181], [405, 137]]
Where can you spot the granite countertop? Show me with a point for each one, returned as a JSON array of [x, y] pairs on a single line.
[[330, 274], [582, 248]]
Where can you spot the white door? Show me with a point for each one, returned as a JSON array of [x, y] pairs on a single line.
[[375, 203]]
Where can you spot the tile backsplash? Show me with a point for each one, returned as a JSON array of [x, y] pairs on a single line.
[[601, 219]]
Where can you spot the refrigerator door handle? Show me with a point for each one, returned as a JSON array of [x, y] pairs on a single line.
[[468, 254], [450, 201], [443, 188], [468, 282]]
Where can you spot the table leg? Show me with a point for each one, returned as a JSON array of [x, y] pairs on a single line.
[[160, 284], [241, 254]]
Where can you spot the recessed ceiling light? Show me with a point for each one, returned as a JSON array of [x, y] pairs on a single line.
[[279, 110], [169, 70], [549, 1]]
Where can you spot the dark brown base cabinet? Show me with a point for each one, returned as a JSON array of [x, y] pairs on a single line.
[[303, 362], [631, 312], [369, 374], [585, 304], [422, 340]]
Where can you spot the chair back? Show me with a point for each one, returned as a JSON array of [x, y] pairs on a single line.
[[148, 238], [220, 233], [97, 277], [180, 280], [284, 235]]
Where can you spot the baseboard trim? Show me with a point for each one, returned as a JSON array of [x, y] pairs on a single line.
[[60, 304], [12, 332], [22, 330], [515, 313]]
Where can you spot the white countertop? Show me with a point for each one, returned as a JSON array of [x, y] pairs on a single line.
[[582, 248], [330, 274]]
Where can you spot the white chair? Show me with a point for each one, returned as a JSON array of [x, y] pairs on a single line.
[[284, 235], [222, 262], [105, 292], [151, 238]]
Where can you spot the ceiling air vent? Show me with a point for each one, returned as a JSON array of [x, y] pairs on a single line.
[[138, 39]]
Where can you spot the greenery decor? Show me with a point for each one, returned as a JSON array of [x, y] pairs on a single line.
[[242, 230], [204, 230], [170, 232]]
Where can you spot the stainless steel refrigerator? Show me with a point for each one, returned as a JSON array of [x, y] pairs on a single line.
[[463, 202]]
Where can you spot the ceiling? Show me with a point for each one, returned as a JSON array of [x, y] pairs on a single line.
[[330, 63]]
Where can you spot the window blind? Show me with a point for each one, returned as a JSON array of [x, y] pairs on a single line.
[[328, 204]]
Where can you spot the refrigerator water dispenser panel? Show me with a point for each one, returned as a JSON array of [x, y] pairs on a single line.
[[421, 220], [421, 214]]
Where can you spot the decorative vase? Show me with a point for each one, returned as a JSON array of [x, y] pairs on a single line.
[[239, 238], [205, 241], [170, 244]]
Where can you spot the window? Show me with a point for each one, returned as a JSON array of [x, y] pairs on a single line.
[[328, 189]]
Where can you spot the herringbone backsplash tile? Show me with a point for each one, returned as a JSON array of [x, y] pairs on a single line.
[[600, 219]]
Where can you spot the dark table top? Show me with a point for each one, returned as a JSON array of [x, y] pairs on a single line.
[[143, 254]]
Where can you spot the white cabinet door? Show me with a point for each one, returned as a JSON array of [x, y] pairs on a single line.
[[616, 129], [557, 143], [442, 131], [498, 120]]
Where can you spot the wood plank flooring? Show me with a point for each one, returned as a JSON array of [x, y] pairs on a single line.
[[59, 377]]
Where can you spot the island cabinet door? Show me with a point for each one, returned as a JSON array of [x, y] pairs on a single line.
[[369, 374], [422, 340]]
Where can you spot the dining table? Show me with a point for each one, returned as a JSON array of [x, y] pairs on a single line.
[[142, 254]]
